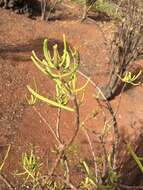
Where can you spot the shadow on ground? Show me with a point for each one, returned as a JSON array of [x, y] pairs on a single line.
[[22, 52]]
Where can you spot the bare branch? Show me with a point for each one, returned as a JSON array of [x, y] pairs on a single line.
[[77, 122], [64, 147], [92, 152], [114, 121], [8, 184], [48, 125]]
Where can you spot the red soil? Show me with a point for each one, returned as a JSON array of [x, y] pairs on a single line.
[[19, 123]]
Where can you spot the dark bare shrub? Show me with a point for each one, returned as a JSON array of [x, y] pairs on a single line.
[[126, 46]]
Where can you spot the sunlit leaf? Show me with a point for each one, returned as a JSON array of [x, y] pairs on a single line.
[[48, 101], [38, 65], [47, 54], [83, 87]]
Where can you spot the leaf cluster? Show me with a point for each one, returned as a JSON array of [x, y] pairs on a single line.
[[62, 70]]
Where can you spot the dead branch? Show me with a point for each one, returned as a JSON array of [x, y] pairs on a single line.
[[92, 152], [8, 184], [65, 146], [48, 125], [114, 121]]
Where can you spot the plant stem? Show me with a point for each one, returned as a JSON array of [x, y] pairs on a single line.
[[62, 150], [9, 185], [47, 124], [77, 122], [92, 152], [58, 123]]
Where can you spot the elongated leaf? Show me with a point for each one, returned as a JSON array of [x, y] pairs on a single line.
[[48, 101], [38, 65], [136, 76], [82, 88], [56, 75], [47, 54], [67, 61], [86, 167], [6, 156], [65, 43], [36, 58], [64, 51], [55, 56], [135, 157], [51, 74], [63, 57]]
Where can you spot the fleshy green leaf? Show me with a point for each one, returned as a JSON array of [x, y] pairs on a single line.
[[48, 101], [47, 54]]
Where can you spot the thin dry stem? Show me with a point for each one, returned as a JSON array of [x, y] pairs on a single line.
[[5, 158], [51, 8], [105, 163], [48, 125], [115, 125], [57, 161], [92, 152], [65, 147], [8, 184], [77, 122], [68, 183]]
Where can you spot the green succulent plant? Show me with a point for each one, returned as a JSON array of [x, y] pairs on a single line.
[[62, 69], [130, 79]]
